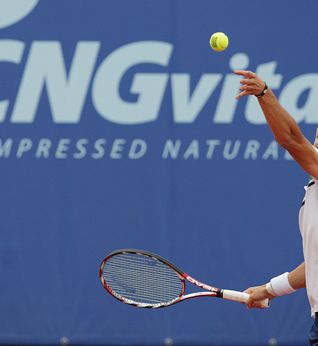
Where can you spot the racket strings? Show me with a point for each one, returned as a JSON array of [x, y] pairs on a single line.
[[142, 279]]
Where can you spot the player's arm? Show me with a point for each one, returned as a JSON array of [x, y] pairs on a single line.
[[297, 277], [283, 284], [285, 129]]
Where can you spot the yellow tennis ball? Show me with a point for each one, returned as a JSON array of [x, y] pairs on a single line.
[[219, 41]]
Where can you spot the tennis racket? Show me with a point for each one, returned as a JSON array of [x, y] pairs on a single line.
[[145, 280]]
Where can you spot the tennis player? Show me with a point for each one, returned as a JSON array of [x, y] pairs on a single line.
[[288, 134]]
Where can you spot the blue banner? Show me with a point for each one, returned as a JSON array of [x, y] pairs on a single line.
[[119, 128]]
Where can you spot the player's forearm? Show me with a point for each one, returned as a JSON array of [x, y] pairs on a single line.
[[297, 277], [284, 127]]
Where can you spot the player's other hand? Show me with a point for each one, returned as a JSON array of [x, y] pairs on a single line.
[[251, 84], [257, 294]]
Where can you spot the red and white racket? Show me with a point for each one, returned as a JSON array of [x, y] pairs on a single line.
[[143, 279]]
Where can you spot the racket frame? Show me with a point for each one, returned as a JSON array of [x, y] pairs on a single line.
[[211, 291]]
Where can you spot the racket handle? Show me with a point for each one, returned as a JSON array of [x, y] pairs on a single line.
[[242, 297]]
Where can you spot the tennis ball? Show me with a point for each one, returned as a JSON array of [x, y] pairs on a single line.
[[219, 41]]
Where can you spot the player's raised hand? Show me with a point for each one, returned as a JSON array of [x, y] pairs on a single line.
[[251, 84]]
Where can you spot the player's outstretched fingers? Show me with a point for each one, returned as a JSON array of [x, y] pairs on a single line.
[[247, 88], [243, 93], [246, 74], [251, 74], [247, 81], [240, 72]]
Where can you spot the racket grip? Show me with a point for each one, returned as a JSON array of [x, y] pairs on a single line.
[[242, 297]]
